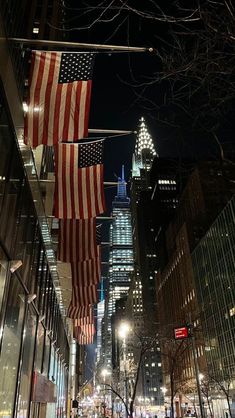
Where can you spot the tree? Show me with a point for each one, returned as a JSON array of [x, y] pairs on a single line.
[[174, 352], [206, 387], [224, 385], [191, 90], [143, 346]]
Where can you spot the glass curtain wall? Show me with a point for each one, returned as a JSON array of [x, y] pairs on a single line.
[[32, 338], [214, 272]]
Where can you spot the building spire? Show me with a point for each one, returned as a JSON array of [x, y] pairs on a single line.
[[144, 150], [144, 140], [121, 188]]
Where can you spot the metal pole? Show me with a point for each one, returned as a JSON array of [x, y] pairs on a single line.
[[52, 181], [111, 131], [197, 377], [125, 376], [99, 218], [80, 45], [104, 397]]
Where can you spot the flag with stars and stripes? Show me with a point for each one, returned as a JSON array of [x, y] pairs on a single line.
[[79, 185], [59, 97], [77, 240]]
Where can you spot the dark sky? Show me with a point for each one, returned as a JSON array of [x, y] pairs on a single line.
[[118, 96], [114, 103]]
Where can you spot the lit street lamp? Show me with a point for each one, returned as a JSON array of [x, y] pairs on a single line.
[[123, 330], [164, 390], [104, 373]]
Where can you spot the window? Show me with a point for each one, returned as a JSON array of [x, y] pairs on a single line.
[[11, 342]]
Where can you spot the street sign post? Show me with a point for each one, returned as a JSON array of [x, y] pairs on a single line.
[[181, 333]]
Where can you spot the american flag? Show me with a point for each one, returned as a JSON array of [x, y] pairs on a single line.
[[79, 188], [75, 312], [86, 273], [59, 97], [84, 334], [83, 296], [77, 240], [85, 316]]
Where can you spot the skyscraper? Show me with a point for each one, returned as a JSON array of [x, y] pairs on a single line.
[[145, 261], [121, 257]]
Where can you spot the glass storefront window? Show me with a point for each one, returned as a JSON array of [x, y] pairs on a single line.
[[10, 209], [3, 275], [5, 151], [11, 344], [39, 347], [46, 356], [27, 365]]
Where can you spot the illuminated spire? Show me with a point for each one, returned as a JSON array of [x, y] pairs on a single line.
[[121, 189], [144, 150], [144, 140]]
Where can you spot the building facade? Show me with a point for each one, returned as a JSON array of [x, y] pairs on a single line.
[[143, 302], [205, 195], [121, 262], [34, 339], [214, 272]]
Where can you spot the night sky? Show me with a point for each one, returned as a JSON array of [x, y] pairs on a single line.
[[115, 100], [119, 97], [123, 87]]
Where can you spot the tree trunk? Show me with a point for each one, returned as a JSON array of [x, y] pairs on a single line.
[[209, 407], [229, 406], [131, 409]]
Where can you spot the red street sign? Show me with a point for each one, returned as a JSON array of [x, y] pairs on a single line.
[[181, 333]]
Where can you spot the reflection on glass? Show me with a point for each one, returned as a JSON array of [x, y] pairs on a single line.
[[46, 356], [27, 365], [52, 364], [11, 341], [3, 271], [39, 347]]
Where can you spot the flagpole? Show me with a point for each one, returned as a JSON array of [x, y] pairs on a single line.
[[98, 218], [80, 45], [52, 181], [111, 131]]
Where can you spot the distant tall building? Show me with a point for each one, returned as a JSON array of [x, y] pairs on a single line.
[[100, 316], [121, 262], [143, 300]]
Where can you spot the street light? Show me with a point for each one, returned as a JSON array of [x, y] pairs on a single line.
[[123, 330], [104, 373], [164, 390]]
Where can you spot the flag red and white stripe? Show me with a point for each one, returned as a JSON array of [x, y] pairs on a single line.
[[83, 296], [77, 240], [85, 316], [59, 97], [85, 334], [79, 192], [75, 312], [86, 273]]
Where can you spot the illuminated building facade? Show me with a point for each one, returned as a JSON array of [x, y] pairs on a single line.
[[143, 300], [100, 316], [121, 262]]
